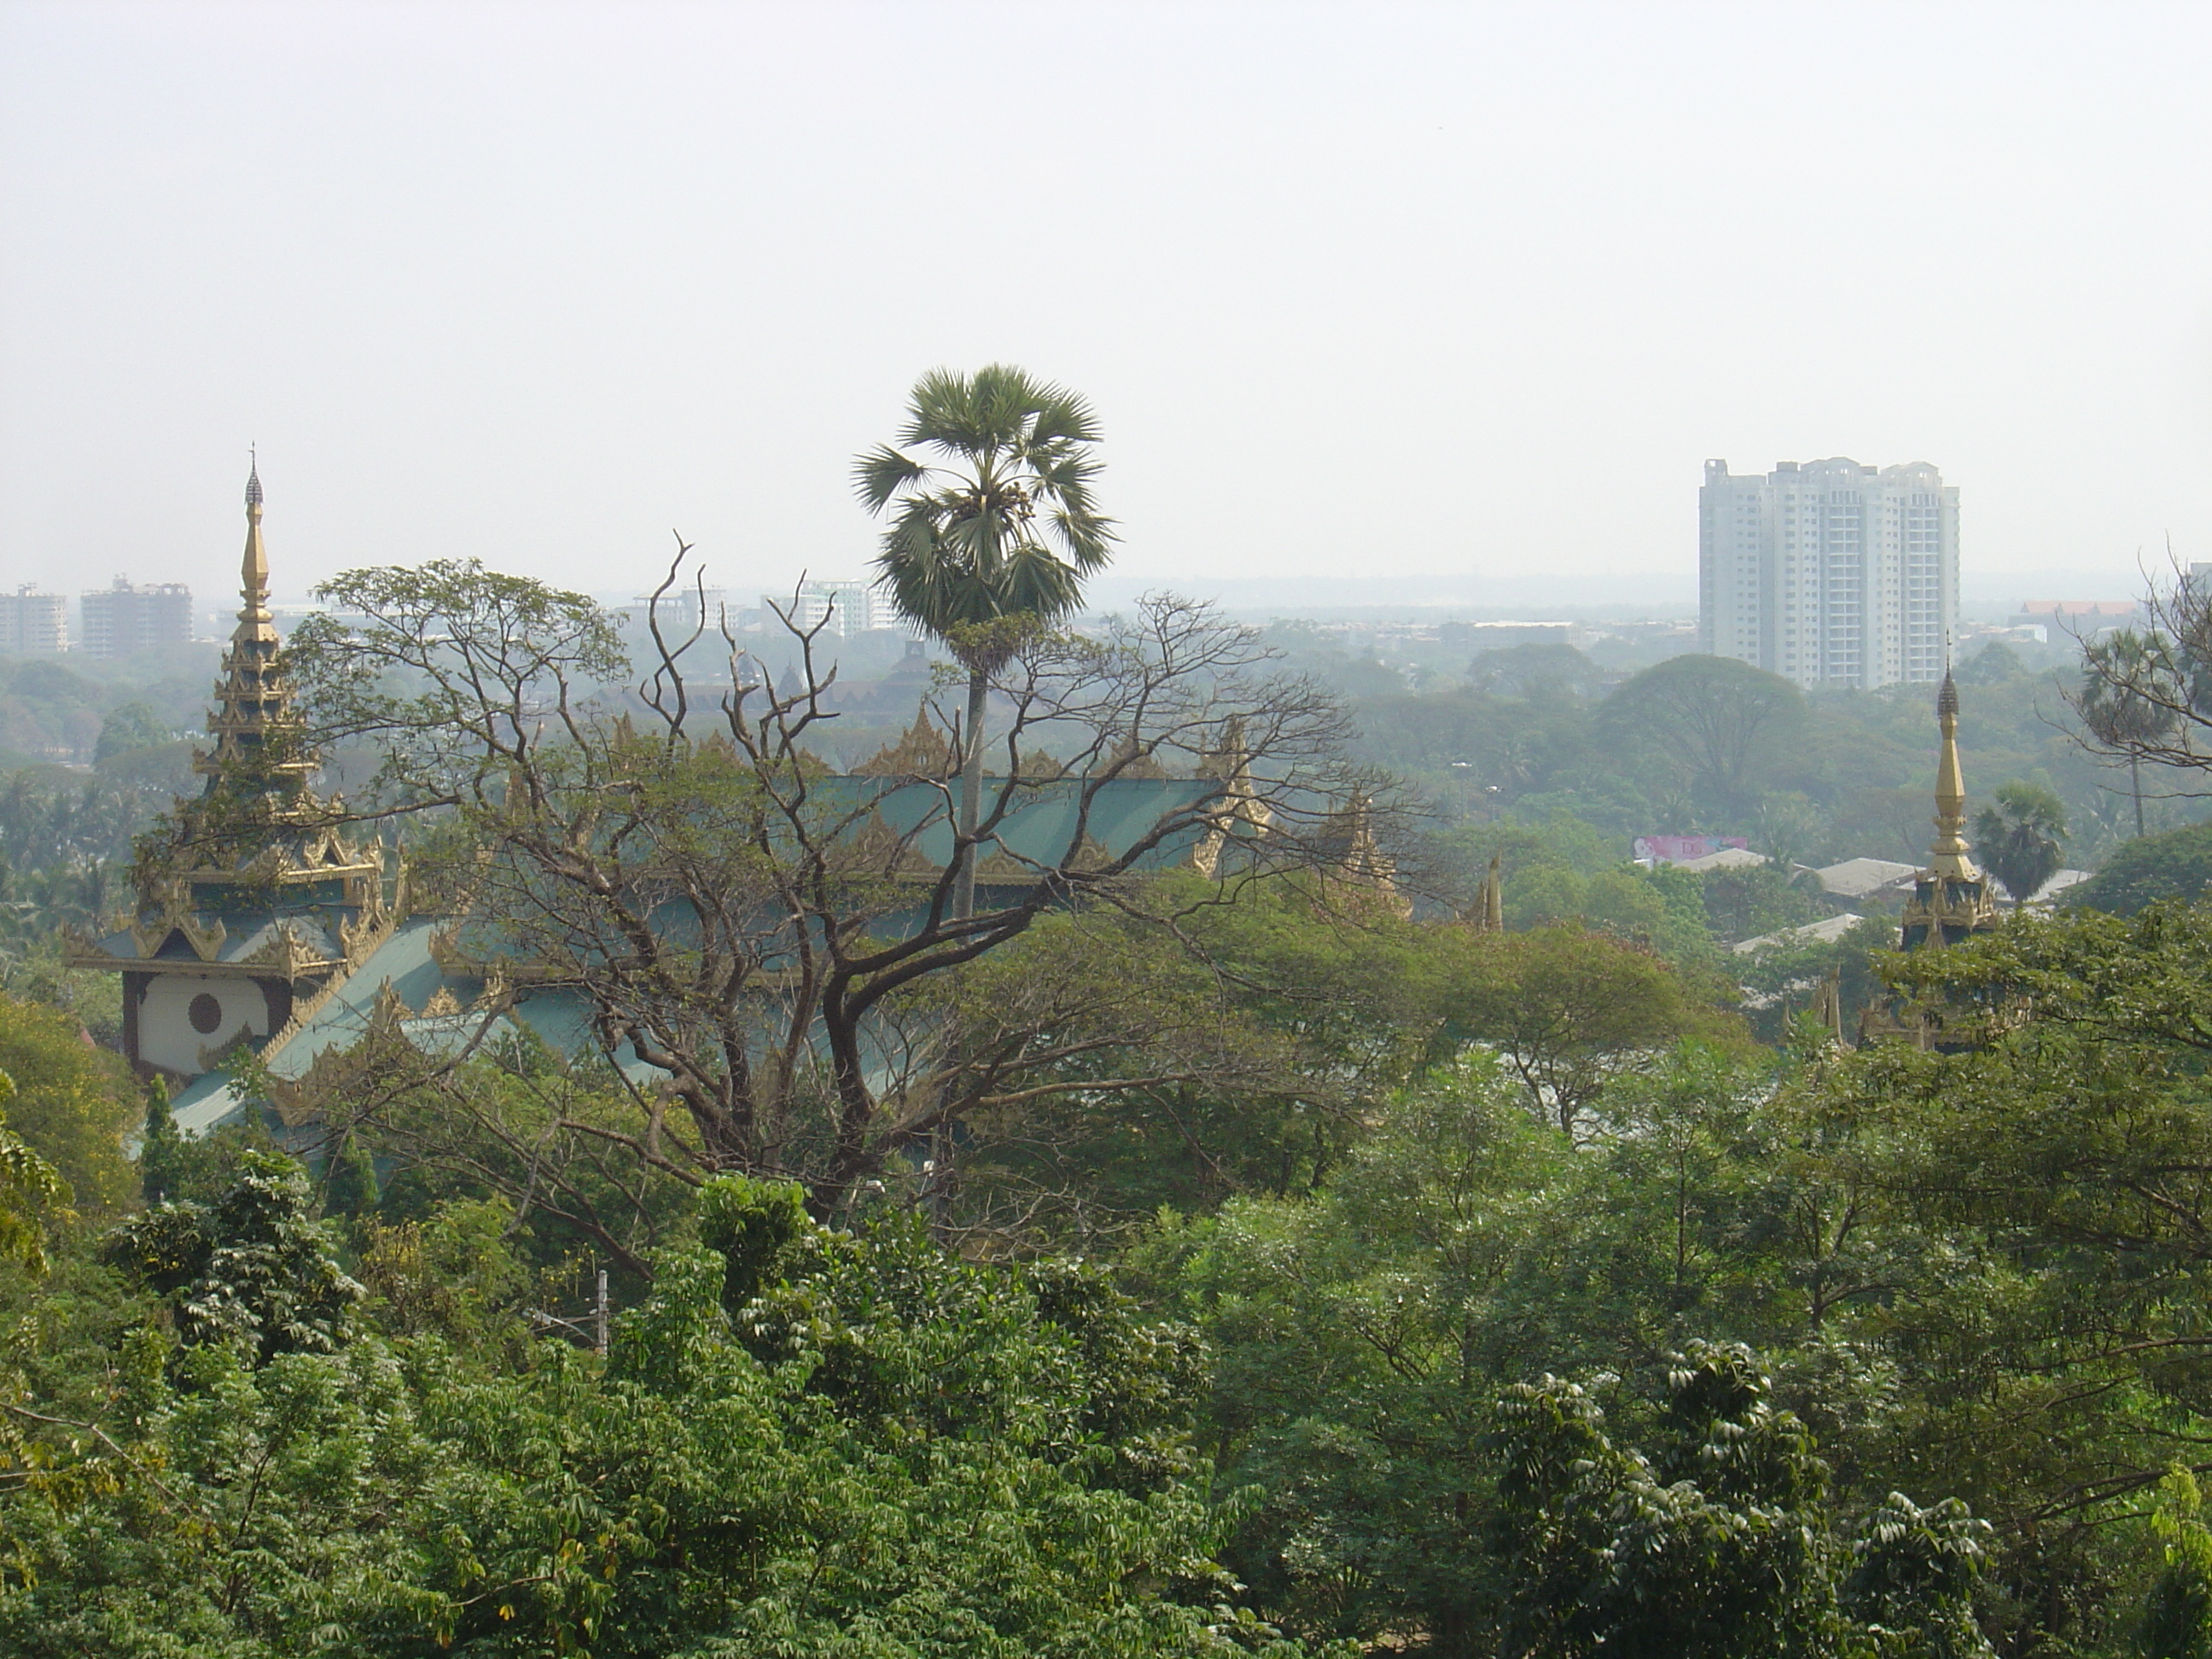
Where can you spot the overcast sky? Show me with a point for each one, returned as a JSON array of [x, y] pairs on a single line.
[[1361, 290]]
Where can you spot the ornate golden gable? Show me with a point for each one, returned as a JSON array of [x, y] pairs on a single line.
[[923, 752]]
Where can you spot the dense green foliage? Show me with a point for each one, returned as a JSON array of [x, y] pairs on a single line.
[[1795, 1350], [824, 1442], [1298, 1275], [1700, 745], [72, 1103], [28, 1189], [2175, 864]]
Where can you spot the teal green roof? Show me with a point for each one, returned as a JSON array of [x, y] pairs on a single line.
[[1045, 827]]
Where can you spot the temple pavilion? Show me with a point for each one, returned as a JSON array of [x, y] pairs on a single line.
[[265, 930]]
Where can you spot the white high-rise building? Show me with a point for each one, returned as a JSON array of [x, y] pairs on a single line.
[[1829, 572], [852, 608]]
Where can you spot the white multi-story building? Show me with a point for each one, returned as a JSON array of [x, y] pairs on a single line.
[[33, 625], [853, 607], [1829, 572], [123, 620]]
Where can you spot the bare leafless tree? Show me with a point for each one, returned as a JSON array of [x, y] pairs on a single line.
[[781, 945]]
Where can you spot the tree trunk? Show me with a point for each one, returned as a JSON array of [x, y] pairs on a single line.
[[2134, 774], [971, 795]]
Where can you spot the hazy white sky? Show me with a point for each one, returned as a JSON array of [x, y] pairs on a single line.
[[1359, 290]]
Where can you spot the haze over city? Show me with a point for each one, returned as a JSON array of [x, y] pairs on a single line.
[[1389, 302]]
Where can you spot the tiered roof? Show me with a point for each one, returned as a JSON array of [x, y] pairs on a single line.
[[258, 878]]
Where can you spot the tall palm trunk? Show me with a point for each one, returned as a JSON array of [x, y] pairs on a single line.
[[937, 1189], [971, 795]]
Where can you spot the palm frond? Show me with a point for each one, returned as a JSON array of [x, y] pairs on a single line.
[[1009, 528], [879, 475]]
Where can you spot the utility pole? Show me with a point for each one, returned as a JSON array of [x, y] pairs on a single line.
[[600, 1314]]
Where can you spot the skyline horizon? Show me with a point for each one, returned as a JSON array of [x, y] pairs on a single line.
[[1636, 586], [1387, 290]]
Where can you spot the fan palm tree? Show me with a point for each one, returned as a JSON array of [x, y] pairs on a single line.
[[2020, 836], [992, 529]]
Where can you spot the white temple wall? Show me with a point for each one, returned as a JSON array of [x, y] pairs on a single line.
[[184, 1015]]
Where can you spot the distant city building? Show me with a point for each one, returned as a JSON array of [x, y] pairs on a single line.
[[2078, 618], [1829, 572], [123, 620], [850, 607], [1490, 636], [33, 625], [682, 610]]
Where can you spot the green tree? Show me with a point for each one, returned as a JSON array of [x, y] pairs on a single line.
[[826, 1443], [2176, 1618], [2046, 1326], [251, 1271], [1365, 1334], [127, 730], [740, 919], [1725, 726], [1569, 1010], [1993, 665], [1534, 669], [1716, 1543], [2174, 864], [2136, 698], [28, 1189], [1750, 901], [992, 529], [73, 1104], [160, 1149], [2021, 836]]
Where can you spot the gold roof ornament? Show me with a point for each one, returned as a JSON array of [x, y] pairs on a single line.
[[922, 752], [1950, 854], [1132, 760], [1362, 871], [1239, 813], [256, 841]]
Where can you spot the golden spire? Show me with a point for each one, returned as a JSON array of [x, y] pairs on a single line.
[[1950, 856], [254, 707], [1950, 899], [253, 569]]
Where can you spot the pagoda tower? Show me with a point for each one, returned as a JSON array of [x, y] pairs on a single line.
[[1950, 897], [253, 902], [1950, 903]]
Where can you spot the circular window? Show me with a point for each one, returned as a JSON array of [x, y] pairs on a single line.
[[205, 1014]]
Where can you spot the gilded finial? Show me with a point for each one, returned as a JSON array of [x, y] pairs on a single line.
[[252, 476], [1950, 852]]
